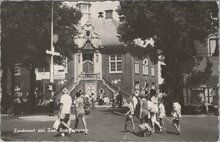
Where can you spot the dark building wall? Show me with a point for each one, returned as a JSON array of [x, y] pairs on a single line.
[[105, 70], [126, 76], [25, 80], [142, 78]]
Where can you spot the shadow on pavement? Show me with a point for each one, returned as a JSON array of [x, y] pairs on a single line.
[[113, 110], [6, 135], [170, 132]]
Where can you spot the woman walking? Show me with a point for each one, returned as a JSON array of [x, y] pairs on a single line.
[[80, 111]]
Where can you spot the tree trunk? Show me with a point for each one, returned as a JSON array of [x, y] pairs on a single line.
[[5, 97], [32, 87], [12, 70]]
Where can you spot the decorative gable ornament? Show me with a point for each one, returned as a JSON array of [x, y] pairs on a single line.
[[88, 35]]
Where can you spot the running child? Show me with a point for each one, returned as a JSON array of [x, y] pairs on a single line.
[[161, 114], [176, 115]]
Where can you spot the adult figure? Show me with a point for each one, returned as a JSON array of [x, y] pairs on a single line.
[[80, 111], [101, 97], [93, 100], [120, 99], [114, 99], [18, 100], [65, 111], [51, 99]]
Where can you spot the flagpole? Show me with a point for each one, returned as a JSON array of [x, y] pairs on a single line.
[[52, 48]]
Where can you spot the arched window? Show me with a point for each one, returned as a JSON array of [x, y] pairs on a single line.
[[136, 65], [145, 66]]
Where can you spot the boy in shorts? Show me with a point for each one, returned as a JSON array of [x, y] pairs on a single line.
[[129, 115], [161, 114], [176, 115]]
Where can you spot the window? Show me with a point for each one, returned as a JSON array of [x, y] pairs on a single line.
[[153, 70], [17, 70], [115, 63], [153, 86], [201, 95], [136, 65], [136, 86], [17, 86], [213, 47], [145, 66]]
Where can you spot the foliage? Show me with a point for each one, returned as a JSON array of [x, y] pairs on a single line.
[[201, 71], [173, 25], [26, 35], [27, 24]]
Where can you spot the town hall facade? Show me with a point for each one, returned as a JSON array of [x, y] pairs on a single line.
[[102, 62]]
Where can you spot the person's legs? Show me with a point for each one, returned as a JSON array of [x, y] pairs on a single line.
[[132, 122], [152, 122], [66, 123], [126, 124], [51, 109], [84, 123], [177, 126], [76, 122], [162, 123], [158, 124]]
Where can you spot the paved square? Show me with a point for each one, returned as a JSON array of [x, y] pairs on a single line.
[[105, 124]]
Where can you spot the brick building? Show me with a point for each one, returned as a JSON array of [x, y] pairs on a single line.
[[102, 62]]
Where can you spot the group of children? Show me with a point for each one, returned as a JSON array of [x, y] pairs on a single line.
[[150, 110]]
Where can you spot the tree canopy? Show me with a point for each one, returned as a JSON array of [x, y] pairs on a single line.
[[26, 35], [173, 25], [26, 29]]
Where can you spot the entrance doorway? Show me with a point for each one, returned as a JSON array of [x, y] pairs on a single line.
[[91, 88], [88, 66]]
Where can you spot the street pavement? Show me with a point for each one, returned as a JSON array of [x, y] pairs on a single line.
[[105, 124]]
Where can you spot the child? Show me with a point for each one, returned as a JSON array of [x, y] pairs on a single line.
[[176, 115], [161, 114], [129, 115]]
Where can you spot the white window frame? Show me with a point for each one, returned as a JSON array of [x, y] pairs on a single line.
[[137, 85], [145, 66], [116, 62], [210, 51], [136, 65], [152, 70]]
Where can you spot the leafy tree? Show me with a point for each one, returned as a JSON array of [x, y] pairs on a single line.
[[201, 71], [26, 35], [174, 26]]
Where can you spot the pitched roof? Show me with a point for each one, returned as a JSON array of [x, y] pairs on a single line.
[[107, 30]]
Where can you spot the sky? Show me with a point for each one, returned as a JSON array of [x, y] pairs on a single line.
[[100, 7]]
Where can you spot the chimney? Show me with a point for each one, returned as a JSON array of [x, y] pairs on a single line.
[[84, 7], [108, 14]]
